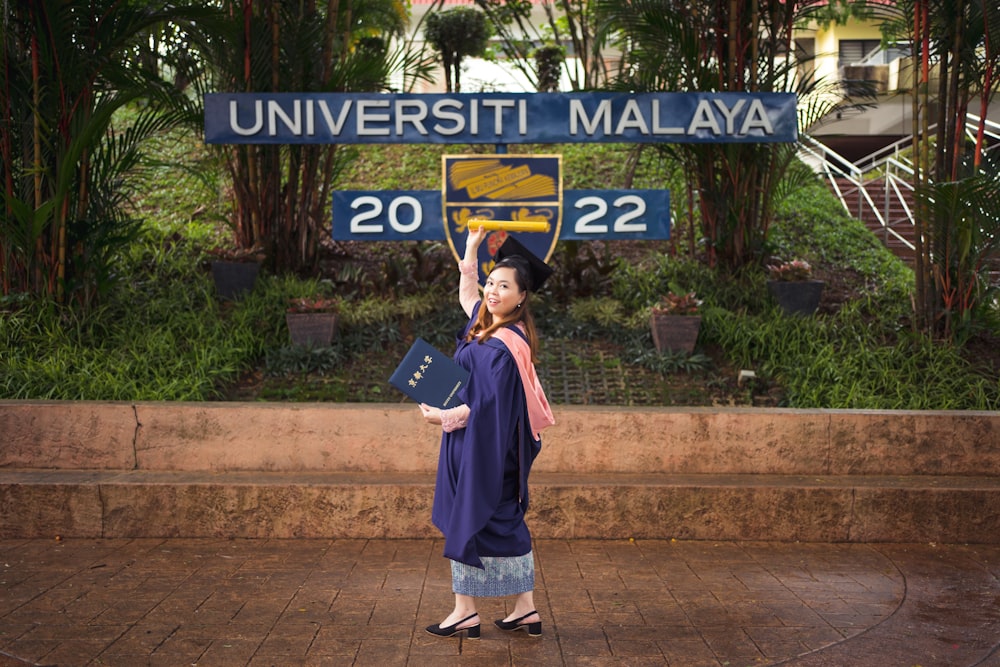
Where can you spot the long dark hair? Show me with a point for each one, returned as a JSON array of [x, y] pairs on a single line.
[[485, 325]]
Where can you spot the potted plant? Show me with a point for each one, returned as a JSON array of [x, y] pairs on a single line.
[[234, 271], [312, 321], [675, 322], [792, 286]]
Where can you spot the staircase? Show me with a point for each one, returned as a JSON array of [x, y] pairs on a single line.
[[878, 188], [885, 208], [883, 202], [120, 470]]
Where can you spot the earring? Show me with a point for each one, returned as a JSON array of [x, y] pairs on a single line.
[[517, 306]]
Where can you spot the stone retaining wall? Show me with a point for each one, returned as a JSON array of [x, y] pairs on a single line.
[[280, 437], [92, 469]]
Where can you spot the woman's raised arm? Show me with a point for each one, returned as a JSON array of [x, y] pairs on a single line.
[[468, 284]]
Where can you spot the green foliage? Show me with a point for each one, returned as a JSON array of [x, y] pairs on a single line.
[[548, 65], [302, 359], [669, 362], [967, 235], [581, 269], [957, 202], [69, 158], [568, 26], [639, 286], [456, 34], [604, 311], [608, 319], [161, 336], [671, 46], [844, 362], [858, 357], [814, 226], [397, 167], [180, 188], [281, 194]]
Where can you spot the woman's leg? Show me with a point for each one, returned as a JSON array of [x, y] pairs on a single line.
[[465, 606], [524, 604], [463, 619]]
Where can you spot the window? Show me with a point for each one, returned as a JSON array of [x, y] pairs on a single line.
[[853, 51]]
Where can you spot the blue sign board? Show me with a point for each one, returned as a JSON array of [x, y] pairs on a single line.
[[499, 118], [617, 215], [387, 215], [416, 215]]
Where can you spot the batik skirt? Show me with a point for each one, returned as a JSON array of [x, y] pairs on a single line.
[[503, 575]]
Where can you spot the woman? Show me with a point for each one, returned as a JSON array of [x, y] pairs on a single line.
[[490, 442]]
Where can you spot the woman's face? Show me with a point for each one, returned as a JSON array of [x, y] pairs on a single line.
[[501, 292]]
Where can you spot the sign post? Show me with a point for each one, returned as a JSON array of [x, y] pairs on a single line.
[[520, 189]]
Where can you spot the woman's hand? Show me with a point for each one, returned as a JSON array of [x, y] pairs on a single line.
[[431, 415], [472, 242]]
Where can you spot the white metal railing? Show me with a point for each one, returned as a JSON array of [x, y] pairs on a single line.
[[836, 169], [896, 148], [894, 169]]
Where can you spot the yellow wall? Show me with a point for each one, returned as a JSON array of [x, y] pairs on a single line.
[[826, 40]]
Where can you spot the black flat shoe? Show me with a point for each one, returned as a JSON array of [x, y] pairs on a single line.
[[453, 629], [534, 629]]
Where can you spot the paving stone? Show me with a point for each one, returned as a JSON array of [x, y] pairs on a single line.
[[603, 602]]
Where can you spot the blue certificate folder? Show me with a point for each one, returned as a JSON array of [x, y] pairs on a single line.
[[429, 376]]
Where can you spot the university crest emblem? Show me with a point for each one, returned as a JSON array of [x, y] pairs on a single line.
[[519, 194]]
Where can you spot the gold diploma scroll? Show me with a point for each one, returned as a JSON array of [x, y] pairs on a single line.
[[509, 225]]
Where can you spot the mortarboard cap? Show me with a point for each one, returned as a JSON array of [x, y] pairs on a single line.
[[529, 265]]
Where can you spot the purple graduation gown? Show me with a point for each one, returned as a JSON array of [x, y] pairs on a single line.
[[481, 493]]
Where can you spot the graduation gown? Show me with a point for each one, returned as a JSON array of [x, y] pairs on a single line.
[[481, 491]]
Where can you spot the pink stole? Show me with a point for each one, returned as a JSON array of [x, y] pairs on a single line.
[[539, 413]]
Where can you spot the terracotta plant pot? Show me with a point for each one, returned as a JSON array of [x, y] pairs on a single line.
[[797, 297], [311, 329], [675, 333]]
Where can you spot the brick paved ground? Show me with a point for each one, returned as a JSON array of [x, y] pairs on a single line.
[[365, 602]]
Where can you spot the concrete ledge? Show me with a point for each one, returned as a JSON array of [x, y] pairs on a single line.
[[394, 438], [95, 469], [67, 434], [353, 505]]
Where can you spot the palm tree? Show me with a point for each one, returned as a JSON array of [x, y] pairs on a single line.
[[725, 45], [281, 194], [958, 206], [65, 157]]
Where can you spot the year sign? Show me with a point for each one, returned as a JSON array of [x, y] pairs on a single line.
[[415, 215]]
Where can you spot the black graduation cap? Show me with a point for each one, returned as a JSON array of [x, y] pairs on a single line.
[[530, 266]]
